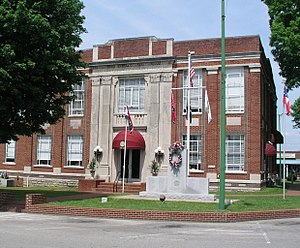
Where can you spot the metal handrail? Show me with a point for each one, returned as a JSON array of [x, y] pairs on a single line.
[[116, 181]]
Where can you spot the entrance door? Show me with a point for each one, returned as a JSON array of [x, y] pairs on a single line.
[[132, 165]]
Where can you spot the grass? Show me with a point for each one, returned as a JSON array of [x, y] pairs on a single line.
[[19, 193], [253, 203], [266, 199], [258, 203], [245, 201], [263, 191], [119, 203]]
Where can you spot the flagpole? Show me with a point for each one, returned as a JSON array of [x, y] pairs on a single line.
[[284, 142], [124, 162], [222, 113], [280, 147], [188, 114]]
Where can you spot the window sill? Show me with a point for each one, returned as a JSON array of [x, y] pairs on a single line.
[[9, 163], [74, 167], [196, 171], [235, 113], [236, 172], [42, 166], [75, 116]]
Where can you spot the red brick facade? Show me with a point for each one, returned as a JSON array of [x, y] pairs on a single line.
[[256, 122]]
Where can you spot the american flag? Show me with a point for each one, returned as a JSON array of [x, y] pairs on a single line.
[[192, 72], [286, 100], [128, 118]]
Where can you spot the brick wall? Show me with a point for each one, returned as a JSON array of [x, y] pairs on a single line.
[[33, 207], [33, 199], [87, 55], [131, 48], [5, 198], [159, 47], [213, 46], [206, 48], [104, 52], [88, 185], [50, 182]]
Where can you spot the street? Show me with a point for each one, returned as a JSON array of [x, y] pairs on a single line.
[[42, 231]]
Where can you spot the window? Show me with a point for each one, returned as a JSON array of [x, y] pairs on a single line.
[[235, 90], [235, 148], [10, 152], [132, 93], [76, 107], [195, 94], [43, 150], [195, 151], [75, 150]]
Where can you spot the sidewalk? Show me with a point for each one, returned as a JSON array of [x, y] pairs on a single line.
[[294, 189]]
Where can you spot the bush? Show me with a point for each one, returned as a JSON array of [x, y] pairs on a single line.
[[154, 168]]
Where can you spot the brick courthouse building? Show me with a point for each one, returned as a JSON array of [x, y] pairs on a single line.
[[141, 73]]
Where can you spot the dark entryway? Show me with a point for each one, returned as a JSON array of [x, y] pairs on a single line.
[[132, 165]]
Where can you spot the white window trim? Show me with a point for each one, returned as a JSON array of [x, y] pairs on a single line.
[[198, 82], [127, 84], [79, 142], [38, 151], [7, 147], [71, 111], [241, 108], [198, 152], [242, 154]]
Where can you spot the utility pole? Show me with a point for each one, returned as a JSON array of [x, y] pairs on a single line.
[[222, 114]]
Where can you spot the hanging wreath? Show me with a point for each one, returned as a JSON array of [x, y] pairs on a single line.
[[175, 157]]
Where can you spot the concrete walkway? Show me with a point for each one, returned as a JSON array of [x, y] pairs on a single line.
[[294, 189]]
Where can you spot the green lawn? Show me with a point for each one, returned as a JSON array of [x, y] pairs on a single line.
[[244, 201]]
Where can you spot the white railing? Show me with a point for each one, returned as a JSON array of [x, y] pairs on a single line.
[[139, 120]]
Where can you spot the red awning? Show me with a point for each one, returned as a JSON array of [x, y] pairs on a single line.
[[270, 150], [134, 141]]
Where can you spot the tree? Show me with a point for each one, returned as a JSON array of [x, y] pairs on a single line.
[[38, 62], [296, 113], [285, 40]]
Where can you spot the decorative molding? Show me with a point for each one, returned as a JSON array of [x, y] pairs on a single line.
[[212, 70], [233, 121], [147, 79], [255, 69], [169, 47], [155, 77], [115, 80], [106, 80], [75, 124], [96, 81], [166, 77], [195, 122], [95, 53]]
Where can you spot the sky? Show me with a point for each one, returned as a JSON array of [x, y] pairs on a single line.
[[186, 20]]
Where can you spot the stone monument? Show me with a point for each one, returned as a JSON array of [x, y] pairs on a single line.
[[177, 185]]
